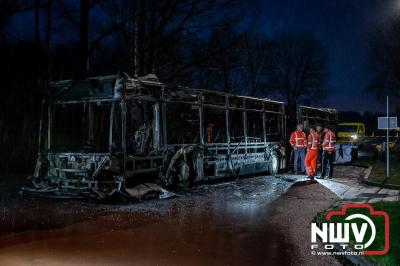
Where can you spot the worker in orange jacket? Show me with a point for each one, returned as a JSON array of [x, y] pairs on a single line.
[[328, 154], [298, 142], [312, 153]]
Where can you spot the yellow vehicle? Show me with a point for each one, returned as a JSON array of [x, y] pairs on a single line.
[[351, 132]]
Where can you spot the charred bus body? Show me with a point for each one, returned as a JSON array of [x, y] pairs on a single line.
[[308, 116], [105, 134], [311, 116]]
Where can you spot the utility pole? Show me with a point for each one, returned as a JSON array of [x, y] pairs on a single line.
[[387, 137]]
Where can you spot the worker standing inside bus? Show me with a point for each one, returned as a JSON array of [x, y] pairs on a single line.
[[298, 143], [312, 153], [328, 154]]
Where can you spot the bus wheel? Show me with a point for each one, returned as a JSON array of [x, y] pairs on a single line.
[[183, 173], [274, 163]]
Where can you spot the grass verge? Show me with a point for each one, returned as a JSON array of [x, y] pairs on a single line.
[[378, 173]]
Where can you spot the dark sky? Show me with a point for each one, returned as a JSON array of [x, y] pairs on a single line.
[[342, 27]]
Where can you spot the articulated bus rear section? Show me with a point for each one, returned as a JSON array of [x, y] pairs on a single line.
[[346, 152]]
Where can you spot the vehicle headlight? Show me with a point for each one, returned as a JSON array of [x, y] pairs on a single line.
[[354, 136]]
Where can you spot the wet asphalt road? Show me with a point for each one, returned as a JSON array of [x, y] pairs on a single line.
[[219, 224]]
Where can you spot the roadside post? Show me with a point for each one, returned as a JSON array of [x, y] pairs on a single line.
[[387, 123]]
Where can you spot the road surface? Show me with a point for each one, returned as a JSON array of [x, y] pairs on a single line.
[[218, 224]]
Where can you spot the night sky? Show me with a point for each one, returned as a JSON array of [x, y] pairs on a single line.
[[342, 27]]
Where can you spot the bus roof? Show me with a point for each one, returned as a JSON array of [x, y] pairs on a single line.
[[329, 110], [103, 87]]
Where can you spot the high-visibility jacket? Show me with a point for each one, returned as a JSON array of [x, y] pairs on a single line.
[[329, 141], [313, 141], [298, 139]]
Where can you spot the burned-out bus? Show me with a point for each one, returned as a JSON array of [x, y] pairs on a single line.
[[311, 116], [308, 116], [106, 134]]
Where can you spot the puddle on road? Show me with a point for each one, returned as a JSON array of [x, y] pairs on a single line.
[[219, 223]]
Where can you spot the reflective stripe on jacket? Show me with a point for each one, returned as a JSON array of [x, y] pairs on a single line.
[[298, 139], [313, 141], [329, 141]]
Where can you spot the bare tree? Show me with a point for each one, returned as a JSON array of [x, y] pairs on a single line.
[[48, 31], [256, 53], [384, 54], [9, 8], [37, 22], [92, 29], [155, 27], [84, 38], [300, 69], [218, 62]]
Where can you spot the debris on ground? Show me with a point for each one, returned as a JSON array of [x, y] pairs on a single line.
[[147, 191]]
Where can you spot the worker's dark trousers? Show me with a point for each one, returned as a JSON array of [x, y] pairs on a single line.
[[299, 155], [327, 162], [319, 160]]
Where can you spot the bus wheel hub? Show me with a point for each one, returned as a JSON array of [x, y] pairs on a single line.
[[183, 171]]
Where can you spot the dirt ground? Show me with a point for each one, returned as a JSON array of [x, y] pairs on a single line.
[[245, 222], [293, 212]]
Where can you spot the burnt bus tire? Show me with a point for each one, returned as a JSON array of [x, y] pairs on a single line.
[[183, 174], [274, 162]]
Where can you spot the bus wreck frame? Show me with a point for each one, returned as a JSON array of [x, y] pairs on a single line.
[[236, 135], [308, 116]]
